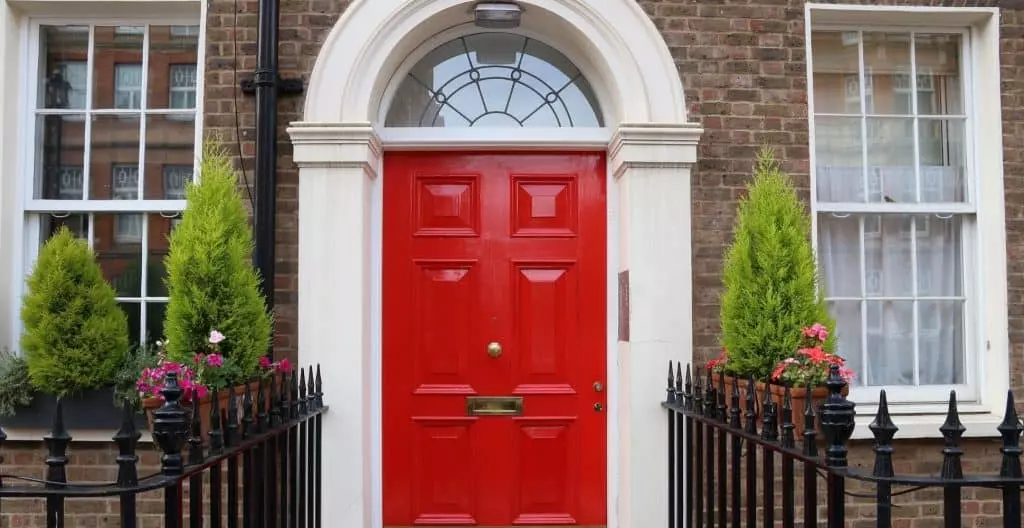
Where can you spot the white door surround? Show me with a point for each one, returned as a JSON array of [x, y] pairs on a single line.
[[338, 149]]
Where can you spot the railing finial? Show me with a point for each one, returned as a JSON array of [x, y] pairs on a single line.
[[750, 417], [769, 416], [231, 422], [688, 390], [788, 437], [127, 439], [248, 426], [302, 392], [1010, 430], [216, 433], [734, 404], [884, 430], [195, 439], [837, 419], [670, 390], [952, 431], [721, 399], [319, 389], [710, 395], [810, 423], [170, 428]]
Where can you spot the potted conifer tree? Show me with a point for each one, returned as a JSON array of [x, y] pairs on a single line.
[[75, 335], [217, 329], [772, 291]]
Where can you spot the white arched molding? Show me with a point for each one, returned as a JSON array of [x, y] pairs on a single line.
[[651, 148]]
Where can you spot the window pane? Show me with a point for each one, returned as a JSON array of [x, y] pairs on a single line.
[[60, 158], [836, 72], [888, 255], [49, 224], [63, 56], [117, 68], [943, 160], [839, 251], [175, 180], [849, 333], [938, 74], [939, 258], [891, 160], [160, 227], [156, 312], [839, 159], [890, 345], [494, 80], [941, 342], [115, 142], [887, 64], [173, 53], [169, 142]]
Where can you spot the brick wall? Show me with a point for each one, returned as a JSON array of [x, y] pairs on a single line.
[[743, 68]]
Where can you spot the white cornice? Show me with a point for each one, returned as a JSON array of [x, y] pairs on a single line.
[[653, 145], [323, 145]]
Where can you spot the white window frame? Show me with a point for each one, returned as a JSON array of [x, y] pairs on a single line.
[[987, 338], [27, 222]]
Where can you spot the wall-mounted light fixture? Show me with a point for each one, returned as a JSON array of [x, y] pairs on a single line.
[[497, 15]]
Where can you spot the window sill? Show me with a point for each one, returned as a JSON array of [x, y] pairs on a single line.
[[979, 424]]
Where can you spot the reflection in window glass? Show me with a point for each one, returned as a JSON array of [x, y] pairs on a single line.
[[494, 80]]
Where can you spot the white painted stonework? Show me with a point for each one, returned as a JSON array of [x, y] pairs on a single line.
[[338, 148]]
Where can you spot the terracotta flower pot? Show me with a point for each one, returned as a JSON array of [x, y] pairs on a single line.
[[798, 397], [151, 404]]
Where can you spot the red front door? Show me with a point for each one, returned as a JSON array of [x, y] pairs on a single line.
[[494, 339]]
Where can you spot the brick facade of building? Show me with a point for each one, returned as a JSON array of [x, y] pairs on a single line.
[[743, 66]]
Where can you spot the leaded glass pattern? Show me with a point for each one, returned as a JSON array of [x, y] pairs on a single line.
[[494, 80]]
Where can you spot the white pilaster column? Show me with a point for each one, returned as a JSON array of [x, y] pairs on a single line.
[[338, 164], [652, 164]]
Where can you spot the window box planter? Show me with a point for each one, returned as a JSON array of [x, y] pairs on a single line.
[[91, 409]]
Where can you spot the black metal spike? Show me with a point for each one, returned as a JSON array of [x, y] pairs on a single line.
[[1010, 430], [303, 407], [216, 435], [284, 401], [679, 382], [311, 391], [788, 438], [884, 430], [770, 414], [688, 390], [810, 425], [293, 398], [248, 424], [195, 437], [698, 392], [837, 419], [275, 400], [734, 405], [319, 389], [952, 431], [262, 418], [670, 390], [710, 396], [721, 399], [57, 442], [170, 428], [750, 417], [231, 421], [127, 439]]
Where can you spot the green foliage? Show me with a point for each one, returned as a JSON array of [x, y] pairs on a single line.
[[771, 277], [135, 359], [210, 278], [15, 389], [75, 333]]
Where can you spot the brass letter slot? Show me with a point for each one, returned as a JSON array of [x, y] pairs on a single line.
[[494, 405]]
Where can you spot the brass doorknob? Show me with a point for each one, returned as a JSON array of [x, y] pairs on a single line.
[[494, 349]]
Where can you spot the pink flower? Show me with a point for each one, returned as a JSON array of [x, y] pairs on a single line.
[[264, 362], [215, 360], [216, 337], [197, 358], [284, 365]]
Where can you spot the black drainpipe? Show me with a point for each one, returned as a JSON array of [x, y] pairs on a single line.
[[266, 83]]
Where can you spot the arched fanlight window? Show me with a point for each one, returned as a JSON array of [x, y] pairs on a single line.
[[494, 80]]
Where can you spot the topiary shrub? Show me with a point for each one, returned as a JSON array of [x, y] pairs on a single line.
[[15, 388], [771, 278], [75, 333], [211, 281]]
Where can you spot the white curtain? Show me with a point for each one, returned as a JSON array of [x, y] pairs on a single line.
[[867, 266]]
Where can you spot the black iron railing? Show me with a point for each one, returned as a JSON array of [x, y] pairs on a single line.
[[715, 478], [267, 445]]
